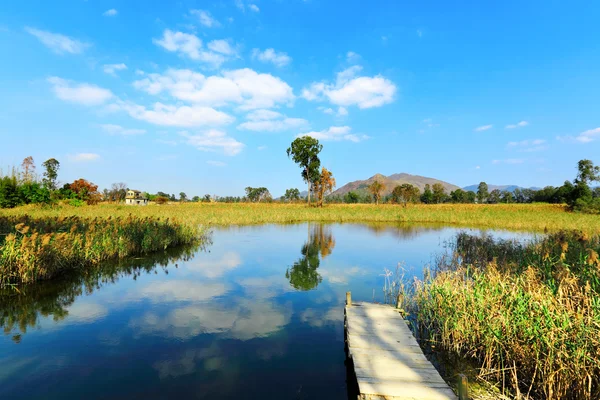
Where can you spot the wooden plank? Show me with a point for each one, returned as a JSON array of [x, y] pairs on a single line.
[[388, 361]]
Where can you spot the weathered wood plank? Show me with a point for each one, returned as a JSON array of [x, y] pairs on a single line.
[[388, 361]]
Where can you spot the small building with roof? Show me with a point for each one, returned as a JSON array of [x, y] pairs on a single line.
[[136, 198]]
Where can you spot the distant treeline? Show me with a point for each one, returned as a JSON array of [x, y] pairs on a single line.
[[23, 186]]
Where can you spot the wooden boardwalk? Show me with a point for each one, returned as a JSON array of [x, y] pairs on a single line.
[[388, 361]]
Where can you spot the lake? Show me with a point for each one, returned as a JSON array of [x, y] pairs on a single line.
[[258, 313]]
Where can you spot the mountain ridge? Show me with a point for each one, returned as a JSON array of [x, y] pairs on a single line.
[[391, 181]]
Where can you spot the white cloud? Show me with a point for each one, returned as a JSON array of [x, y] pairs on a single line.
[[254, 7], [260, 115], [180, 290], [509, 161], [60, 44], [214, 140], [529, 146], [245, 87], [478, 167], [271, 121], [205, 18], [341, 111], [188, 45], [170, 115], [111, 69], [261, 148], [119, 130], [419, 33], [350, 89], [335, 133], [483, 128], [81, 93], [216, 163], [270, 55], [352, 57], [110, 13], [221, 46], [85, 313], [83, 157], [584, 137], [240, 4], [517, 125]]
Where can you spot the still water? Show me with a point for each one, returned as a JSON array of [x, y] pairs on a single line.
[[256, 314]]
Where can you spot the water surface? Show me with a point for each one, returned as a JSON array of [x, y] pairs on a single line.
[[257, 314]]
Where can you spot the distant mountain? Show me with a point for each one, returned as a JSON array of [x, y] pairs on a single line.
[[502, 188], [390, 182]]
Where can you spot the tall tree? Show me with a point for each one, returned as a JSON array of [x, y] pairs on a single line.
[[28, 167], [51, 167], [117, 192], [482, 192], [324, 185], [182, 197], [376, 189], [305, 152], [427, 196], [439, 193]]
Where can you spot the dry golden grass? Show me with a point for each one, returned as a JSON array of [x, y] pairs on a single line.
[[525, 217]]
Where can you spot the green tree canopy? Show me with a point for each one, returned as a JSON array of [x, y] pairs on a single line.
[[304, 151]]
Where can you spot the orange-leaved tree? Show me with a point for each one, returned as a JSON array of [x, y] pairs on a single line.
[[324, 185], [86, 191]]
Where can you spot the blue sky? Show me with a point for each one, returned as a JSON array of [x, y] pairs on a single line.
[[205, 97]]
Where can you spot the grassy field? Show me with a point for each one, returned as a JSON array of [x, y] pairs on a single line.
[[528, 315], [526, 217]]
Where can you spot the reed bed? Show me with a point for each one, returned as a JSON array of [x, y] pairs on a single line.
[[34, 248], [525, 217], [527, 314]]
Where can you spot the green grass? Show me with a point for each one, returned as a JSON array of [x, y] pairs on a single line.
[[38, 247], [527, 314], [525, 217]]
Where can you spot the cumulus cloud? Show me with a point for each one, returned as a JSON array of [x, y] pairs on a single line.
[[517, 125], [171, 115], [221, 46], [483, 128], [190, 46], [271, 121], [254, 7], [83, 157], [245, 87], [351, 89], [81, 93], [110, 13], [214, 140], [60, 44], [111, 69], [270, 55], [335, 133], [205, 18], [119, 130]]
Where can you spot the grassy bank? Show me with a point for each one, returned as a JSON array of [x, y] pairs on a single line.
[[529, 217], [36, 247], [527, 314]]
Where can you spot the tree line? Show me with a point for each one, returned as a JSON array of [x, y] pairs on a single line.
[[23, 186]]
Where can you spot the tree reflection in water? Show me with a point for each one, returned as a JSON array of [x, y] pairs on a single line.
[[303, 275], [22, 307]]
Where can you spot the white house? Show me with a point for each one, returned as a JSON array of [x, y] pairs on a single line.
[[135, 198]]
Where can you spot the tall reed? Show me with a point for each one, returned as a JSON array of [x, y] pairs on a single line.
[[34, 249], [527, 313]]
